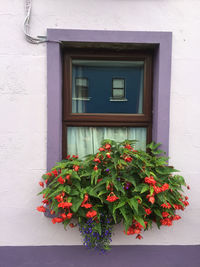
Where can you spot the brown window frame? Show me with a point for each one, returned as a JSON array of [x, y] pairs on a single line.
[[105, 119]]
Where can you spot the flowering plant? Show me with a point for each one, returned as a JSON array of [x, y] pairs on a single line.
[[117, 184]]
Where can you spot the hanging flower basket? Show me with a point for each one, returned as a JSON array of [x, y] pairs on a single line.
[[117, 184]]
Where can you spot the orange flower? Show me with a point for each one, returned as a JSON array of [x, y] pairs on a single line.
[[41, 209]]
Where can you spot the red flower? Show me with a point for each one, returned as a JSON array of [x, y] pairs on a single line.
[[87, 205], [68, 177], [69, 215], [72, 225], [108, 155], [45, 201], [165, 187], [91, 214], [151, 199], [64, 205], [64, 216], [166, 221], [52, 212], [166, 206], [165, 214], [41, 184], [46, 181], [157, 189], [128, 147], [59, 197], [75, 157], [99, 180], [97, 160], [111, 197], [139, 237], [148, 211], [57, 220], [101, 149], [185, 203], [55, 172], [188, 187], [150, 180], [61, 180], [176, 217], [76, 168], [178, 207], [41, 209], [128, 159], [95, 168], [107, 146], [68, 156]]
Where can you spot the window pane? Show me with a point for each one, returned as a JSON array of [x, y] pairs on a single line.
[[81, 82], [118, 93], [102, 77], [86, 140], [118, 83]]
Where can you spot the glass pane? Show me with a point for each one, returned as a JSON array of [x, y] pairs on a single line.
[[86, 140], [118, 83], [118, 93], [100, 75]]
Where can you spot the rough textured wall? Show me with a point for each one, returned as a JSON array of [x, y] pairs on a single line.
[[23, 108]]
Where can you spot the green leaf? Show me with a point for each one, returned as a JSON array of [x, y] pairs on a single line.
[[76, 202], [133, 203], [158, 213], [144, 188], [140, 220]]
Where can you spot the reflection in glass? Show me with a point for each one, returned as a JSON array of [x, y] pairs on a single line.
[[100, 86]]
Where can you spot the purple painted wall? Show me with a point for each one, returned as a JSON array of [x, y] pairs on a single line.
[[77, 256], [161, 85]]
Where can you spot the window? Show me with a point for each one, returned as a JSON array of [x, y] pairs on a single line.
[[113, 102], [118, 89], [159, 42]]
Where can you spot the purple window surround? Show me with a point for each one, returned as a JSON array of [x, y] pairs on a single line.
[[161, 83]]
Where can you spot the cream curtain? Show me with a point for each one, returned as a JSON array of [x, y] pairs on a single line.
[[86, 140]]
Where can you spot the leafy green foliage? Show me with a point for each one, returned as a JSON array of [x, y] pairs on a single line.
[[117, 184]]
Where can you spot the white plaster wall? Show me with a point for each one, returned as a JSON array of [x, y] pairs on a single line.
[[23, 109]]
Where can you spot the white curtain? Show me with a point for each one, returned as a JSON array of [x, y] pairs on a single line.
[[86, 140]]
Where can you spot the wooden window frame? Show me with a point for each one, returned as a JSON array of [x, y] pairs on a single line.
[[105, 119]]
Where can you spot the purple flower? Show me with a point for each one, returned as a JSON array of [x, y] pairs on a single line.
[[107, 170]]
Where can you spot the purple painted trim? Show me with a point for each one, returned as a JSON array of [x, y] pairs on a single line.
[[77, 256], [161, 84]]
